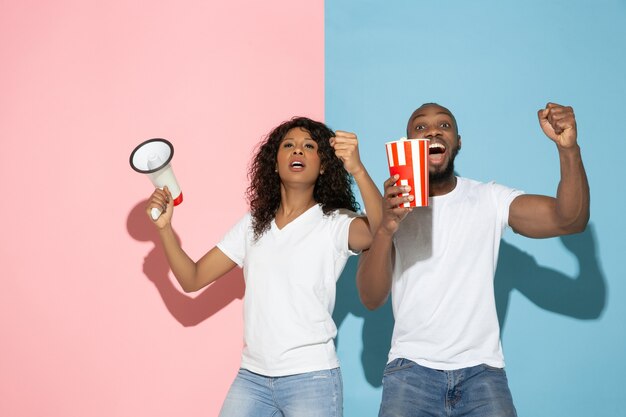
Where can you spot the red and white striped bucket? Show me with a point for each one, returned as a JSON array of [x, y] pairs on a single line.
[[409, 159]]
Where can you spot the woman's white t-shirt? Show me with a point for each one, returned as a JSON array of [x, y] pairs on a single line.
[[290, 277]]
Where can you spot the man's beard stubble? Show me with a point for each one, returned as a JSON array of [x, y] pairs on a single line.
[[447, 173]]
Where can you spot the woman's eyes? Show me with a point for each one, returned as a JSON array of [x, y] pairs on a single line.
[[291, 145]]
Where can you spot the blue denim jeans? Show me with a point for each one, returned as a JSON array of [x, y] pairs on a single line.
[[312, 394], [411, 390]]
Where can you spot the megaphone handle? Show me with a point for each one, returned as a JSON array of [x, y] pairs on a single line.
[[155, 213]]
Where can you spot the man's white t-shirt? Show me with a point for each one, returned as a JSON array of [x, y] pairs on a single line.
[[442, 290], [290, 276]]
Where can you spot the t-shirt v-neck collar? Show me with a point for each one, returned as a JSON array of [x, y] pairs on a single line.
[[306, 215]]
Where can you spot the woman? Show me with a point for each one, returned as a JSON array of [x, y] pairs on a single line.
[[292, 246]]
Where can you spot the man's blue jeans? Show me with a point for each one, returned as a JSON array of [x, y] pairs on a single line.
[[312, 394], [411, 390]]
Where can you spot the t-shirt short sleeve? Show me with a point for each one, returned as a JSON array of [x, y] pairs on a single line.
[[234, 243], [504, 196], [342, 219]]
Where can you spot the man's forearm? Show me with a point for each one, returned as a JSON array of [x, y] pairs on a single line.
[[572, 200], [374, 274]]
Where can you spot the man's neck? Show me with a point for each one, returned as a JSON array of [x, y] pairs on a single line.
[[442, 186]]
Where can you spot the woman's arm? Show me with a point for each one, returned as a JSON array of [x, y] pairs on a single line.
[[191, 275], [361, 231]]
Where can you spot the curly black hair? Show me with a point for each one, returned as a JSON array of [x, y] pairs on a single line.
[[333, 189]]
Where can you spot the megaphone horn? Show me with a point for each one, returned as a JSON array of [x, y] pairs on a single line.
[[152, 158]]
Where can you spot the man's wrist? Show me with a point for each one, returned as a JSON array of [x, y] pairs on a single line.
[[569, 151], [384, 233]]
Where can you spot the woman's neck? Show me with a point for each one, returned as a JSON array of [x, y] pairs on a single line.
[[293, 203]]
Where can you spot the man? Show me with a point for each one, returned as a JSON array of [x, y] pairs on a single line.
[[439, 263]]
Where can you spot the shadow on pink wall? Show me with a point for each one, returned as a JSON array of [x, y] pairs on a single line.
[[189, 311]]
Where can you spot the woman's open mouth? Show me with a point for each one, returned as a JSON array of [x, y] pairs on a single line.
[[296, 165]]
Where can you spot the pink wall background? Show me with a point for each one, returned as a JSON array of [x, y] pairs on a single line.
[[92, 324]]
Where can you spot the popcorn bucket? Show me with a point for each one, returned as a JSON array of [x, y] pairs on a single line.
[[409, 159]]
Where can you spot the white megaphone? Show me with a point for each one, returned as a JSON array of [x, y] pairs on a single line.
[[153, 157]]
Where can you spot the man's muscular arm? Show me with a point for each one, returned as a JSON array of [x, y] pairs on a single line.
[[542, 216]]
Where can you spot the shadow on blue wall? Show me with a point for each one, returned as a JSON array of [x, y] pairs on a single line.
[[377, 325], [582, 297]]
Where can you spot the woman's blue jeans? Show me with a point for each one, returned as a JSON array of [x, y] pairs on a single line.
[[312, 394], [411, 390]]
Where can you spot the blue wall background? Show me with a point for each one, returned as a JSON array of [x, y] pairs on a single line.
[[494, 64]]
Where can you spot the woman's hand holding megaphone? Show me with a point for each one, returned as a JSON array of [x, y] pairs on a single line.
[[161, 200]]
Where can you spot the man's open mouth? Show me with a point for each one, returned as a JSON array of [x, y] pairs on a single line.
[[436, 148]]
